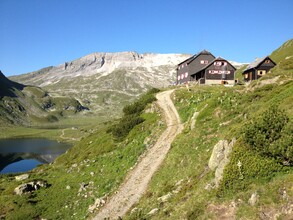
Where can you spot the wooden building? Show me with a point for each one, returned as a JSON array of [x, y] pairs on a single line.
[[205, 69], [258, 68], [219, 71], [193, 65]]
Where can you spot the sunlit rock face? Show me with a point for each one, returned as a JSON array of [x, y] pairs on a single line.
[[105, 82]]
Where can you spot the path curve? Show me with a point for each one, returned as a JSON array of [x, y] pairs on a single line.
[[137, 180]]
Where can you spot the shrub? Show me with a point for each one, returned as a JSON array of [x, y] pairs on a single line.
[[271, 135], [126, 124], [138, 106], [132, 116], [245, 167]]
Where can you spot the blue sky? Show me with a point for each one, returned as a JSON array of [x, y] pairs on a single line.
[[40, 33]]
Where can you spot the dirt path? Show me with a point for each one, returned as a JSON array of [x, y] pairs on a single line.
[[137, 180], [67, 138]]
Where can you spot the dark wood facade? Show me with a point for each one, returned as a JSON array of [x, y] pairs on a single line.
[[205, 69], [193, 65], [220, 71], [258, 68]]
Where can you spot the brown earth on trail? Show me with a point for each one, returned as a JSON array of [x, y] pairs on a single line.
[[138, 179]]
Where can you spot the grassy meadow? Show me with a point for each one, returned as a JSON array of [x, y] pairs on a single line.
[[97, 162], [223, 114], [258, 115]]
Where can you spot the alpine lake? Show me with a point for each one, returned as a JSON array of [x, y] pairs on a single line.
[[21, 155]]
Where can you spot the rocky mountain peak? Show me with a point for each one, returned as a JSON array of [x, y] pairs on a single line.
[[106, 80]]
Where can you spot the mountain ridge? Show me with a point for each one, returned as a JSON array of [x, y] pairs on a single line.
[[105, 82], [23, 105]]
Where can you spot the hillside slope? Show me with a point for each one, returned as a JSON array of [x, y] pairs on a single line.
[[137, 180], [284, 52], [24, 105], [256, 184]]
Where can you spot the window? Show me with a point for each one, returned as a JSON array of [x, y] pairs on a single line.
[[178, 77], [261, 72], [267, 61], [246, 76], [220, 63], [217, 63], [179, 67], [204, 62], [186, 74]]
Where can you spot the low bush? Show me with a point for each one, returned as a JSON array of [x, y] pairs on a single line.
[[246, 167], [138, 106], [132, 116], [125, 125], [271, 135], [262, 151]]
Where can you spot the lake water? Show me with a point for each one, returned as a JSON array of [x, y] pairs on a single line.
[[21, 155]]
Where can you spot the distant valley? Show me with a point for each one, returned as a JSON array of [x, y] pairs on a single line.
[[26, 105]]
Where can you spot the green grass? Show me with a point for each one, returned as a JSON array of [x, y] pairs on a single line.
[[102, 162], [238, 73], [75, 127], [223, 114], [96, 160], [286, 50]]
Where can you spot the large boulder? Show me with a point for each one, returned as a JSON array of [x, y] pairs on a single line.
[[220, 158], [30, 187]]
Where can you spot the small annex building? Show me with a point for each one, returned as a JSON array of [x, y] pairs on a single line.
[[205, 68], [258, 68]]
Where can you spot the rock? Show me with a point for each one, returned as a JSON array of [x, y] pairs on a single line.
[[209, 186], [253, 199], [82, 187], [153, 211], [92, 173], [218, 154], [21, 177], [30, 187], [193, 120], [179, 182], [23, 188], [68, 187], [98, 202], [165, 197], [220, 158], [91, 208], [283, 193], [133, 210]]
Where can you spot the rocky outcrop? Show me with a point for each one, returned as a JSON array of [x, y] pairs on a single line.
[[253, 200], [219, 158], [21, 177], [30, 187], [98, 203]]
